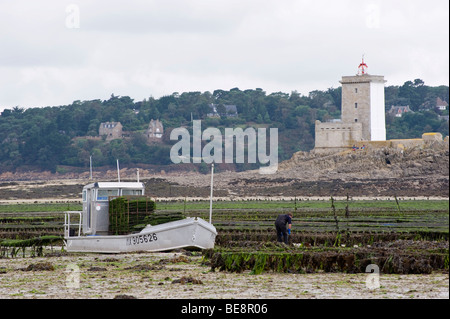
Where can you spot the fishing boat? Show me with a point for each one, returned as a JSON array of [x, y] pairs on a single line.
[[90, 230]]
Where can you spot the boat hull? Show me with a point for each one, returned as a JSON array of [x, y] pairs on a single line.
[[186, 233]]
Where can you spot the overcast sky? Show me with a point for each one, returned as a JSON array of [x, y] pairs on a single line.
[[55, 52]]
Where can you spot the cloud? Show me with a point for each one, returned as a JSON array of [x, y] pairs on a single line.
[[154, 47]]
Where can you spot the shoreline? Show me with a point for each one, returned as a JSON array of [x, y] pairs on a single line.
[[236, 199]]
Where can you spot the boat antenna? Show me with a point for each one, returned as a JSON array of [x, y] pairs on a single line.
[[118, 171], [211, 196]]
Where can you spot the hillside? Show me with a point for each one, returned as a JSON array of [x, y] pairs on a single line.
[[62, 138]]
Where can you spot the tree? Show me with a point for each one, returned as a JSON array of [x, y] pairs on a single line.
[[414, 92], [46, 137], [336, 96], [319, 98], [221, 109], [259, 119]]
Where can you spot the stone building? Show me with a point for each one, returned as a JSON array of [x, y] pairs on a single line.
[[432, 137], [363, 114], [440, 104], [337, 135], [155, 130], [112, 130]]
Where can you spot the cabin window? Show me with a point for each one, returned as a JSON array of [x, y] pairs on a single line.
[[84, 196], [134, 192], [102, 194]]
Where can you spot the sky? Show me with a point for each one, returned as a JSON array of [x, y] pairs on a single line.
[[53, 52]]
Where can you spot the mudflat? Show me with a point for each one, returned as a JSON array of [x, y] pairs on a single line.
[[183, 275]]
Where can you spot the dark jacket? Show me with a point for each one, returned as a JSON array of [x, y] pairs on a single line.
[[283, 219]]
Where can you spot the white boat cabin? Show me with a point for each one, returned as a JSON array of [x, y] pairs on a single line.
[[95, 214]]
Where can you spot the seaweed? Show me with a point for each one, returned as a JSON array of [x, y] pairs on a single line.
[[330, 260], [127, 212], [36, 244]]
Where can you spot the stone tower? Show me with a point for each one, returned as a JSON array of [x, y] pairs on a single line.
[[363, 102], [363, 114]]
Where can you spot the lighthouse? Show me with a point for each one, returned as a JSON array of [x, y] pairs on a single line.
[[363, 102], [363, 113]]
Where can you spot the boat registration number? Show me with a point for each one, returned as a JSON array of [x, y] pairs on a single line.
[[141, 239]]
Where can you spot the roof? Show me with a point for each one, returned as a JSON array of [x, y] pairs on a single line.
[[439, 102], [231, 108], [114, 185], [113, 124]]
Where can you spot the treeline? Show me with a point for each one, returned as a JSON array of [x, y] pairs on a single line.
[[48, 137]]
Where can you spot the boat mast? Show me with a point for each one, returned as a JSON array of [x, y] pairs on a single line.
[[90, 167], [118, 171], [211, 196]]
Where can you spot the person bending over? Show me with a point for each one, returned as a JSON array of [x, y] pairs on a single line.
[[280, 225]]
